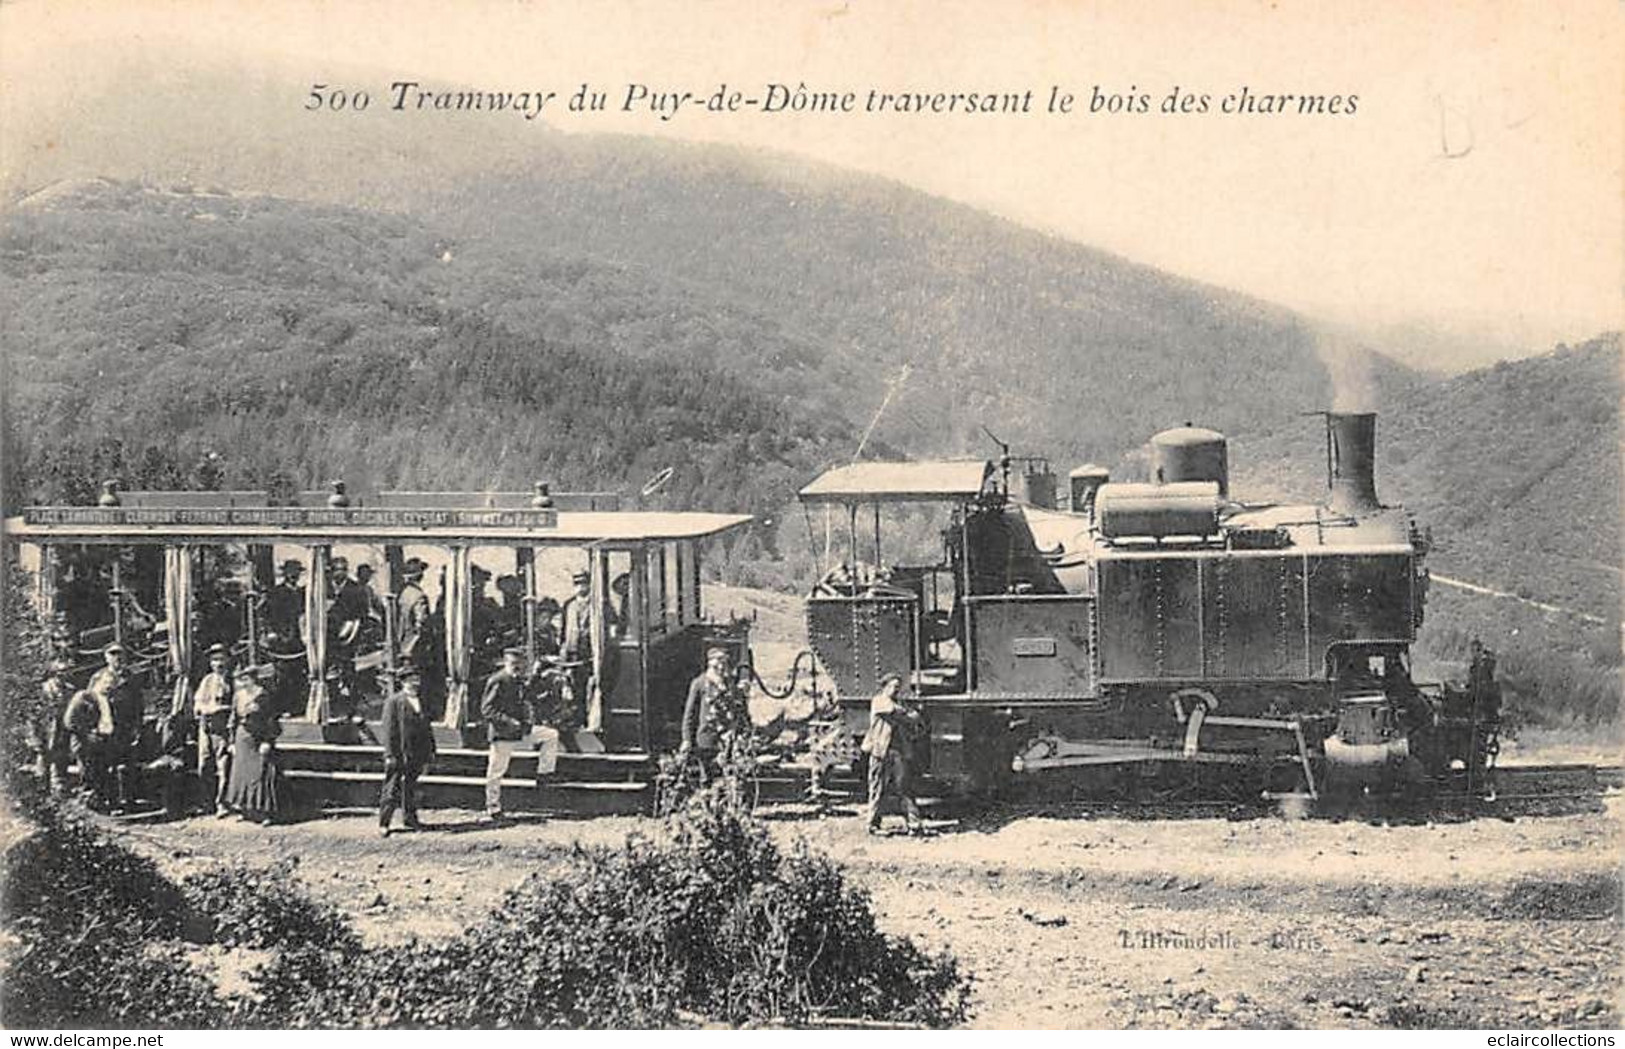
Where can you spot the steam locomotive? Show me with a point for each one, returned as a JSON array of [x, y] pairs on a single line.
[[1158, 631]]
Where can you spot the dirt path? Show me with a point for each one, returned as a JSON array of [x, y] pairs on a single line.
[[1108, 922]]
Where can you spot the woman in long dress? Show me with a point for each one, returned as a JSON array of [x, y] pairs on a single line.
[[256, 784]]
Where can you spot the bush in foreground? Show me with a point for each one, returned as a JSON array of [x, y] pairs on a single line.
[[715, 924], [266, 907]]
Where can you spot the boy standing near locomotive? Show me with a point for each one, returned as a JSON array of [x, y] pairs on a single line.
[[893, 724]]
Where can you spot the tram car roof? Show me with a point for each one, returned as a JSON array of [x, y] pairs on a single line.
[[410, 517]]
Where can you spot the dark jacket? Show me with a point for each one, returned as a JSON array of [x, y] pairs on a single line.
[[505, 706], [711, 711], [408, 738]]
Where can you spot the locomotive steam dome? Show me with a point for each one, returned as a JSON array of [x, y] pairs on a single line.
[[1190, 453]]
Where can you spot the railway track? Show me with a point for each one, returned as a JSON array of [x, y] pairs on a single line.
[[1520, 790]]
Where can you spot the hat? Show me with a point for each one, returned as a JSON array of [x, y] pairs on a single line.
[[218, 650], [515, 651], [338, 563], [712, 653], [244, 672], [581, 576], [547, 604], [414, 566], [114, 647], [291, 567], [408, 673]]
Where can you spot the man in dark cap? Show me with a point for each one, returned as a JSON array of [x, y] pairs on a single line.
[[505, 708], [713, 715], [408, 749], [211, 704], [120, 708], [577, 646]]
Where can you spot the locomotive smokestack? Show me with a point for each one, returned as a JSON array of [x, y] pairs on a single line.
[[1351, 453]]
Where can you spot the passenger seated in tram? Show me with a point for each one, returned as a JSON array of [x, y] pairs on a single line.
[[219, 613], [510, 612], [547, 627]]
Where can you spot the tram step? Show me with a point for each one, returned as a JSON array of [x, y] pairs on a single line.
[[438, 790], [331, 757]]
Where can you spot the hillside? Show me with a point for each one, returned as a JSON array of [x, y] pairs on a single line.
[[143, 328], [800, 279]]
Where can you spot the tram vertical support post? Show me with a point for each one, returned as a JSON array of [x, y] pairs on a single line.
[[178, 599], [524, 558], [117, 596], [391, 572], [316, 634]]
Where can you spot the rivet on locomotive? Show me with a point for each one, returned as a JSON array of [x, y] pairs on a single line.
[[1162, 634]]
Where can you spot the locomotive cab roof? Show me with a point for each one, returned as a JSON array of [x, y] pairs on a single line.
[[927, 481]]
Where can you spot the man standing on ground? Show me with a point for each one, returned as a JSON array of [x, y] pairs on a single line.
[[211, 703], [889, 744], [711, 715], [120, 707], [408, 750]]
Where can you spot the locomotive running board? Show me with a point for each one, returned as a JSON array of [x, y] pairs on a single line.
[[1054, 752]]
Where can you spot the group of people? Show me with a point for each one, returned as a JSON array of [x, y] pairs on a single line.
[[228, 736]]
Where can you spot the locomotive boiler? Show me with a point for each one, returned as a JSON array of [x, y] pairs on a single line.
[[1159, 628]]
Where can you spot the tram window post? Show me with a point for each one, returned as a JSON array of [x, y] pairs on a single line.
[[459, 605], [525, 567], [179, 562], [316, 633], [116, 595]]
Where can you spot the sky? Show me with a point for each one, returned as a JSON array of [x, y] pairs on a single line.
[[1477, 186]]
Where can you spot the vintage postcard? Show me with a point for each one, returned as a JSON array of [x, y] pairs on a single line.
[[1071, 514]]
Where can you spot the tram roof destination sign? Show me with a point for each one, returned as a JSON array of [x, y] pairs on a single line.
[[295, 516]]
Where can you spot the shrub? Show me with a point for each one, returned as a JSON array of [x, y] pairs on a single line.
[[65, 877], [713, 922], [257, 907], [95, 930]]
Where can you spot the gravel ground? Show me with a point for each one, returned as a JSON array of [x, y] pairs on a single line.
[[1106, 922]]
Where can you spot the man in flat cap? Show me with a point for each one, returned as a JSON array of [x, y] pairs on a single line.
[[577, 644], [712, 716], [408, 750], [120, 706], [211, 704]]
